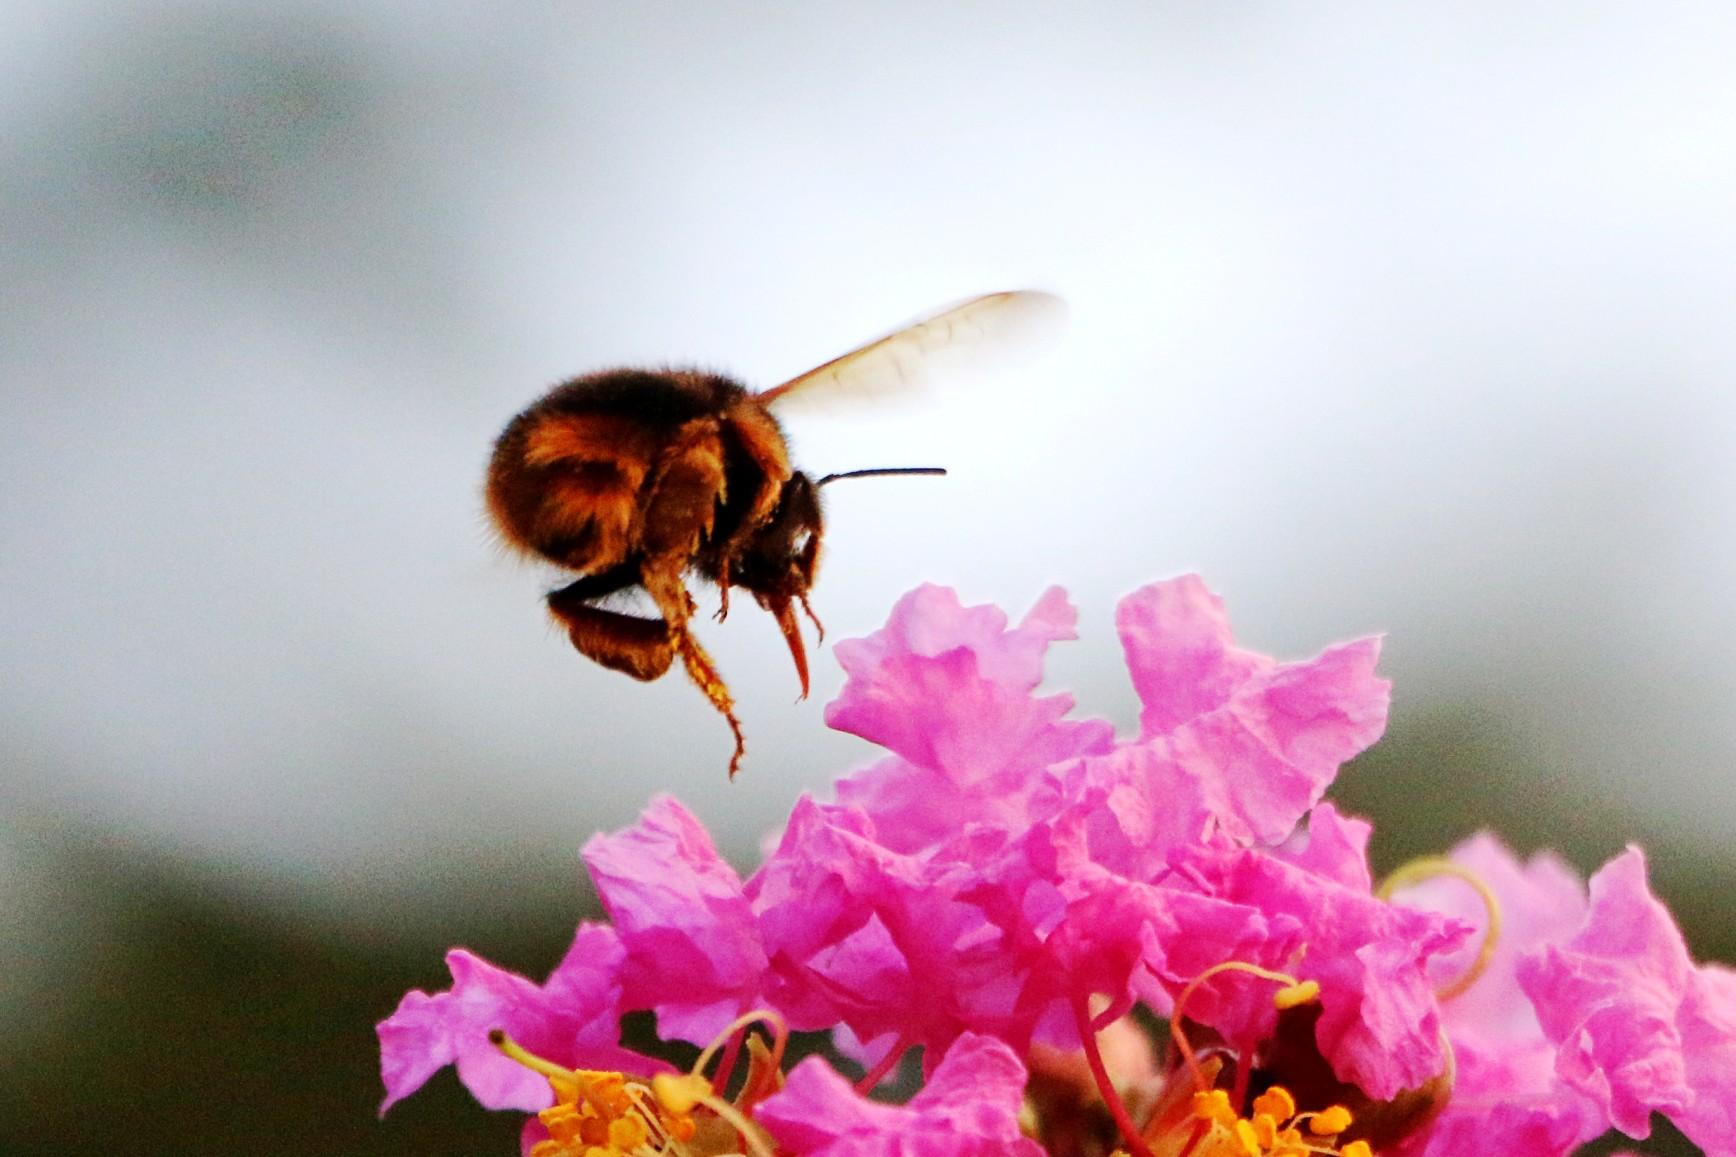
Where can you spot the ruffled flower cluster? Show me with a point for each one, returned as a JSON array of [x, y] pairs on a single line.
[[1025, 898]]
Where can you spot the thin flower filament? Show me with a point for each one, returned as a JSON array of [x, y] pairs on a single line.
[[1429, 867]]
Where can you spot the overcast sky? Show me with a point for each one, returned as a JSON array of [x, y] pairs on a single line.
[[1385, 319]]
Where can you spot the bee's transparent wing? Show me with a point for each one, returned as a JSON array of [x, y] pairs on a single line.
[[962, 338]]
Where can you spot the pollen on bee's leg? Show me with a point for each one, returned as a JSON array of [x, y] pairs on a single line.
[[704, 674]]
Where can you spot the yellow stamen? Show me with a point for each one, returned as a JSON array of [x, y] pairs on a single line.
[[1429, 867], [1276, 1102], [1296, 995], [606, 1114], [1214, 1105], [564, 1122], [1329, 1122], [680, 1094], [1275, 1129], [627, 1134]]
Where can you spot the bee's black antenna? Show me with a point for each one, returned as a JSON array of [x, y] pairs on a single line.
[[881, 471]]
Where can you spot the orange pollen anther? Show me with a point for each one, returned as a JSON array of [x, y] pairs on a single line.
[[1214, 1129]]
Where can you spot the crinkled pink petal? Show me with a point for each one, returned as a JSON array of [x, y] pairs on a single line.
[[942, 715], [692, 945], [810, 898], [949, 690], [573, 1019], [1258, 740], [1143, 806], [1640, 1029], [1067, 928], [1181, 652], [930, 621], [850, 926], [1333, 846], [968, 1108], [977, 1090]]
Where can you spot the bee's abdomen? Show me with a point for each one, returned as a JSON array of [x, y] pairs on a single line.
[[566, 486], [568, 480]]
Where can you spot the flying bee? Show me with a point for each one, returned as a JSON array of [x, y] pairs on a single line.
[[638, 478]]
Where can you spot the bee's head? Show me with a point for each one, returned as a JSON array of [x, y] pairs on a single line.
[[779, 559]]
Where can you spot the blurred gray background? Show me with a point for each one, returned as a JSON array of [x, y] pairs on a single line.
[[1385, 319]]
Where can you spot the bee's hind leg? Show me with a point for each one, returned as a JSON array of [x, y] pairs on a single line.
[[631, 644]]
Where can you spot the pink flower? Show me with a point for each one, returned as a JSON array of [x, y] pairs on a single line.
[[1047, 831], [968, 1107]]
